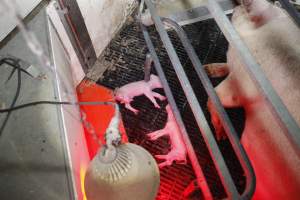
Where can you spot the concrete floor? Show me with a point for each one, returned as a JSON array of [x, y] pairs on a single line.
[[32, 159]]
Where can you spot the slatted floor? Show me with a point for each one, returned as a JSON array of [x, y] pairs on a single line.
[[127, 54]]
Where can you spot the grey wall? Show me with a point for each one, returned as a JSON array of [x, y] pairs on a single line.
[[32, 158]]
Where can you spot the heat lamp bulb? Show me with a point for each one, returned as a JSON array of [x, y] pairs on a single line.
[[128, 172]]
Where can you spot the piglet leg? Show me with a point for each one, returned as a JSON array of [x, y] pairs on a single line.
[[157, 134], [149, 95], [168, 160], [159, 96], [129, 107]]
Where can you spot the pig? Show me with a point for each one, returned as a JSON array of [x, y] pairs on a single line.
[[274, 40], [178, 150], [126, 93]]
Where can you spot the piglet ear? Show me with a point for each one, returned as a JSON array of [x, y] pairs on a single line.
[[152, 77]]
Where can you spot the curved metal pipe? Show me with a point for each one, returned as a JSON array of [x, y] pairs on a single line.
[[231, 133], [196, 108], [191, 153]]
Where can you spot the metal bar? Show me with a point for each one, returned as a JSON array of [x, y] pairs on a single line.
[[191, 153], [198, 13], [147, 67], [286, 121], [196, 166], [232, 135], [77, 27], [196, 109], [72, 37]]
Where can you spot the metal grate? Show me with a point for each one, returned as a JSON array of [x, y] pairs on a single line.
[[127, 53]]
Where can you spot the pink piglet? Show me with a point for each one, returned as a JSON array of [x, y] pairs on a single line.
[[178, 149], [126, 93]]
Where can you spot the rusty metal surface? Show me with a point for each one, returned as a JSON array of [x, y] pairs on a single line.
[[78, 33]]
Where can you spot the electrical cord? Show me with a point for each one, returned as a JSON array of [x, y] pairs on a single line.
[[56, 103], [114, 135], [11, 62], [16, 66]]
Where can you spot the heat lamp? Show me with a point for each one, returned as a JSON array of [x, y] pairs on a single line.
[[121, 170]]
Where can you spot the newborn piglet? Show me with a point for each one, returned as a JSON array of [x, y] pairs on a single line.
[[126, 93], [178, 150]]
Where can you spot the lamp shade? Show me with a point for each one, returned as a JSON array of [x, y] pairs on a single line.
[[129, 172]]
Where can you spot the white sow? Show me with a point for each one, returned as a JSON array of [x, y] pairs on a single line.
[[274, 40]]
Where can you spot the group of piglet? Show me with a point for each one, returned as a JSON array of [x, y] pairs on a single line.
[[125, 95]]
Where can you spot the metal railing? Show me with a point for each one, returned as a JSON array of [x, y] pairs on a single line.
[[279, 110], [207, 134], [231, 133], [190, 150]]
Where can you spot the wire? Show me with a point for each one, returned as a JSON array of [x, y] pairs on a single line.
[[91, 103], [15, 63], [6, 61], [85, 123], [16, 66]]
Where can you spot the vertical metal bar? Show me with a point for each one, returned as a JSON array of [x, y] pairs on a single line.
[[192, 155], [147, 67], [286, 121], [77, 28], [197, 111], [232, 135]]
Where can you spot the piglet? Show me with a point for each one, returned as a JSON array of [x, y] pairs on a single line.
[[126, 93], [178, 150]]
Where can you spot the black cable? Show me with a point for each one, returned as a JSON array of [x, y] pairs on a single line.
[[12, 62], [16, 64], [6, 61], [91, 103], [11, 74]]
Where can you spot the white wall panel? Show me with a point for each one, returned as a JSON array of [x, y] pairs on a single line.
[[103, 19], [7, 23]]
